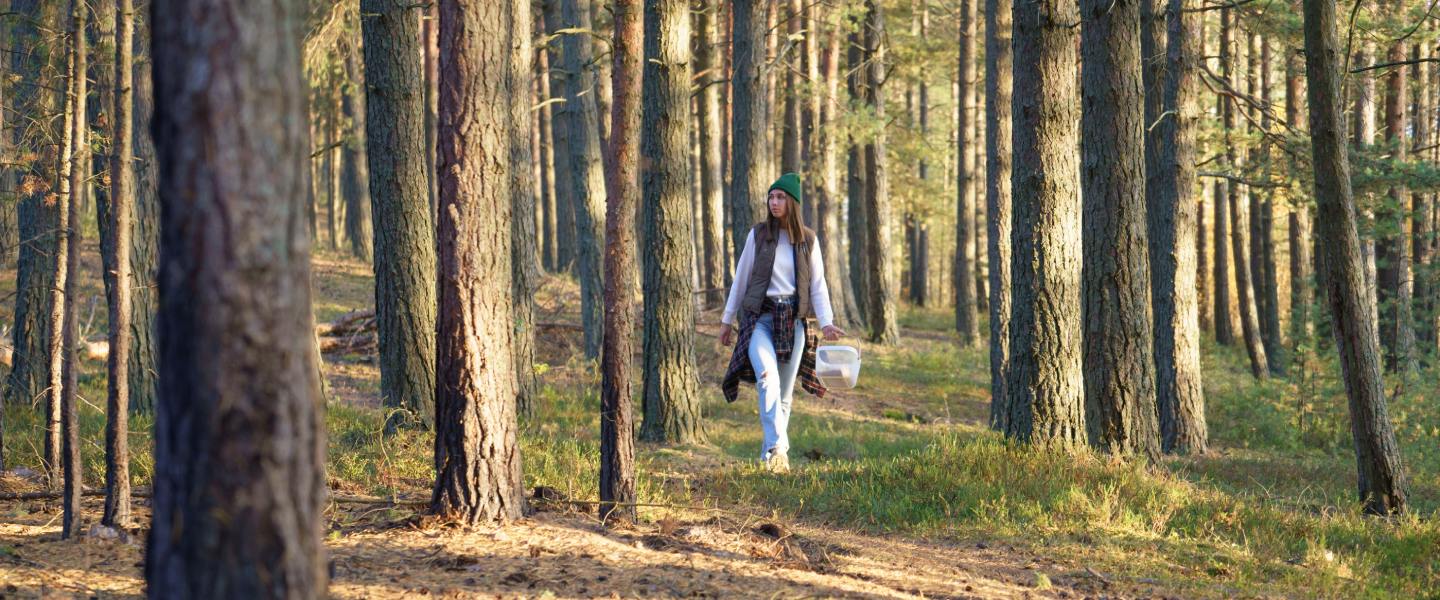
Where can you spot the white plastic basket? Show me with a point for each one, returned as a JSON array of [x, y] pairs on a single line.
[[837, 366]]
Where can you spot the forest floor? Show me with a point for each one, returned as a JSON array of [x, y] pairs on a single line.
[[899, 490]]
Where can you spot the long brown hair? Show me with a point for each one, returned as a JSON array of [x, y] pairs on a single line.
[[790, 223]]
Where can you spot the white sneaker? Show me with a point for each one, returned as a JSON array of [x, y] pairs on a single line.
[[778, 462]]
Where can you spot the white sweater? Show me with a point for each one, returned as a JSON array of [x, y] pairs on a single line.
[[782, 279]]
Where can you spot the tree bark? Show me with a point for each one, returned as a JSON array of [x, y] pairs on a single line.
[[1249, 321], [670, 394], [525, 263], [355, 172], [855, 184], [1045, 380], [1381, 482], [1119, 341], [1422, 234], [712, 183], [64, 360], [548, 176], [587, 181], [966, 316], [884, 282], [790, 107], [38, 219], [122, 201], [405, 276], [622, 193], [145, 248], [1224, 310], [1173, 236], [750, 121], [999, 64], [829, 203], [477, 457], [1392, 251], [565, 193], [1267, 281], [239, 483]]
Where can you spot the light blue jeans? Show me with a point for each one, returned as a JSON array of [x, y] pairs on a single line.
[[774, 382]]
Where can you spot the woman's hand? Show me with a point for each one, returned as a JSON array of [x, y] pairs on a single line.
[[833, 333], [727, 335]]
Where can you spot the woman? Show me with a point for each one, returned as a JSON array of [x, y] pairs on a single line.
[[779, 284]]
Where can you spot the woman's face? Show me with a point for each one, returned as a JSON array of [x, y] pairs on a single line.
[[779, 203]]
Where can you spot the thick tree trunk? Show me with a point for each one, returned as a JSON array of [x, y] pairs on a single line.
[[1381, 482], [477, 456], [239, 485], [587, 181], [670, 394], [966, 316], [1045, 382], [1173, 236], [750, 122], [355, 172], [405, 259], [998, 66], [38, 219], [617, 425], [884, 282], [1119, 341], [122, 202], [67, 277], [712, 184]]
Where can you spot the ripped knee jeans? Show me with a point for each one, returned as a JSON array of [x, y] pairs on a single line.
[[774, 382]]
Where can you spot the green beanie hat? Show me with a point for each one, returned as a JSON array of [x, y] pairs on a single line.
[[788, 183]]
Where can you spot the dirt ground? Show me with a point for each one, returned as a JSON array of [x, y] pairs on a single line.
[[385, 552]]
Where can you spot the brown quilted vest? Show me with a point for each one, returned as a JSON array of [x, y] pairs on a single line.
[[766, 243]]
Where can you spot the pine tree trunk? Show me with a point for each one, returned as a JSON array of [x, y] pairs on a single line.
[[670, 395], [1381, 482], [855, 184], [1173, 236], [239, 485], [1225, 310], [587, 181], [1119, 341], [430, 50], [145, 246], [790, 125], [1045, 381], [1365, 123], [477, 457], [884, 282], [405, 236], [548, 176], [525, 262], [1249, 320], [122, 201], [966, 317], [998, 66], [751, 120], [355, 172], [617, 424], [38, 219], [712, 183], [565, 193], [1397, 335], [1267, 288], [1422, 235], [829, 203], [64, 359]]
